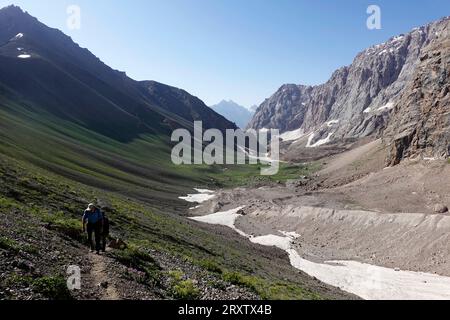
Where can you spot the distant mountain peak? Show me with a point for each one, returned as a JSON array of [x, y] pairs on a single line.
[[234, 112], [229, 101]]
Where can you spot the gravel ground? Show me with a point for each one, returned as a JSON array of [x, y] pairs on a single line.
[[355, 209]]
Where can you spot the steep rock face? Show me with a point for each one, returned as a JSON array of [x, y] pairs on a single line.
[[285, 110], [358, 100], [420, 123]]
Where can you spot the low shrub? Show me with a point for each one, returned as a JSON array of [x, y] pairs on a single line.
[[182, 289], [53, 288], [210, 266], [8, 244]]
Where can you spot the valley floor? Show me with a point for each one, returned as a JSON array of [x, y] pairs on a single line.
[[369, 230], [166, 256]]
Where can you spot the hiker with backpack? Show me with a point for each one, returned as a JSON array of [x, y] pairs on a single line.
[[93, 224]]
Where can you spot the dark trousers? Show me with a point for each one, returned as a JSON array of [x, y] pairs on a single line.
[[96, 229]]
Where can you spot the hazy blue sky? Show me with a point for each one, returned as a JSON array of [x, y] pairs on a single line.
[[231, 49]]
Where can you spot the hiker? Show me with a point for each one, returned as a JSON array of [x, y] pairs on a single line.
[[105, 231], [93, 223]]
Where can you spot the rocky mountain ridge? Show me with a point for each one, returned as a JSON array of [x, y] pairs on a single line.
[[44, 67], [364, 99]]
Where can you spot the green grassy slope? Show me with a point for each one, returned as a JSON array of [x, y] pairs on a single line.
[[141, 169], [53, 199], [50, 169]]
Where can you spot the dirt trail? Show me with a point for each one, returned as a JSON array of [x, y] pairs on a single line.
[[100, 276]]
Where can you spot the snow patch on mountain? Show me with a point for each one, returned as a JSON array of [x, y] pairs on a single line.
[[18, 36], [200, 197], [387, 106], [332, 122], [320, 142], [292, 135]]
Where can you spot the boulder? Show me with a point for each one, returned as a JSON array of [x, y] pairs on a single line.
[[440, 208], [218, 206]]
